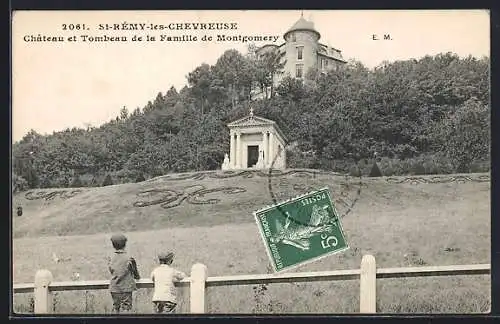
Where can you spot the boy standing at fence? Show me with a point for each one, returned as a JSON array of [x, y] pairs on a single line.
[[123, 269], [164, 276]]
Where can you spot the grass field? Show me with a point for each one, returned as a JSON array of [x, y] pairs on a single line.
[[401, 224]]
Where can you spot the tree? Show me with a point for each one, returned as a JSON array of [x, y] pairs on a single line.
[[159, 102], [465, 135], [267, 68], [171, 97], [234, 72], [291, 88], [123, 113], [107, 181], [200, 80]]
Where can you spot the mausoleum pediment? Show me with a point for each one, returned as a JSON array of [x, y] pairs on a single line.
[[251, 121]]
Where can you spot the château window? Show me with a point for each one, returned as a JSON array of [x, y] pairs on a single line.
[[294, 38], [300, 51], [299, 70]]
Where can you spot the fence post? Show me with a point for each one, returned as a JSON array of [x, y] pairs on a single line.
[[368, 285], [197, 288], [43, 300]]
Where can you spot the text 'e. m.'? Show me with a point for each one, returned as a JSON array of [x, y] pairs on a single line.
[[384, 37]]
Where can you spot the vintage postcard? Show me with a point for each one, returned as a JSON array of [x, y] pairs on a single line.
[[251, 161]]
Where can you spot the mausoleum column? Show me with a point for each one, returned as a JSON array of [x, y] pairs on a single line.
[[238, 150], [264, 148], [232, 151], [271, 148]]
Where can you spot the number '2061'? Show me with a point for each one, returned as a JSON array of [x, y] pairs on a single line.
[[73, 27]]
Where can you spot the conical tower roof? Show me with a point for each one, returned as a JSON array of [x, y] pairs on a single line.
[[302, 24]]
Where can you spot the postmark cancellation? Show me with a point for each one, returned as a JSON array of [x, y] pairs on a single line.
[[301, 230]]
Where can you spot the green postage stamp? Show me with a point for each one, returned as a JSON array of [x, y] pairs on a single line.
[[301, 230]]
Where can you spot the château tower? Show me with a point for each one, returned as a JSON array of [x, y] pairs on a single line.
[[303, 51], [301, 48]]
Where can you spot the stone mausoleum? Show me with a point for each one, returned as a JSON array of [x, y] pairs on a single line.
[[255, 142]]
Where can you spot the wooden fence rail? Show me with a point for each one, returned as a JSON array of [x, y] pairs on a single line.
[[199, 281]]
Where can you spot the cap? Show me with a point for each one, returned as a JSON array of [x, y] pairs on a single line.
[[119, 238], [166, 256]]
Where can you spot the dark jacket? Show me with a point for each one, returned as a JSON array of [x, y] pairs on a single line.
[[124, 272]]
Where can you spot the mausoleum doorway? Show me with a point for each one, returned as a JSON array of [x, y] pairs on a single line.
[[253, 155]]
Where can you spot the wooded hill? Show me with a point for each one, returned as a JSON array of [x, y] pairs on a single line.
[[430, 115]]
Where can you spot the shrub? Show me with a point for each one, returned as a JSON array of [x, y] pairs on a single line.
[[480, 167], [126, 175], [401, 167], [418, 168], [341, 166], [107, 181], [297, 159], [385, 166], [140, 178], [45, 182], [462, 168], [19, 183], [61, 181], [436, 164], [375, 171], [424, 164], [77, 182], [354, 171], [388, 171], [94, 182], [88, 180], [364, 167]]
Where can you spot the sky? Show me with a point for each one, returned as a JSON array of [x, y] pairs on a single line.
[[76, 84]]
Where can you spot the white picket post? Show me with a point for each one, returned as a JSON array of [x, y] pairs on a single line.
[[43, 296], [368, 285], [197, 288]]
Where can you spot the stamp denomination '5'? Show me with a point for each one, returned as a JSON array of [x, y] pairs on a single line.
[[301, 230]]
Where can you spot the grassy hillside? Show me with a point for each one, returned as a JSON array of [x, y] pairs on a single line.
[[196, 199], [401, 221]]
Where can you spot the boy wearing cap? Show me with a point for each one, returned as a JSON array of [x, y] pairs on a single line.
[[164, 276], [123, 269]]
